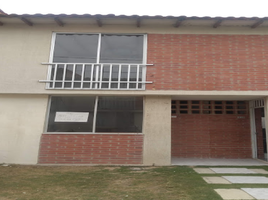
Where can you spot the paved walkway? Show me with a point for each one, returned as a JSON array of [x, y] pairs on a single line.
[[216, 162], [242, 193], [229, 171]]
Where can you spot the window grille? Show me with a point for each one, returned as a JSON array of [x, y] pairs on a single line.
[[209, 107], [96, 76], [258, 103]]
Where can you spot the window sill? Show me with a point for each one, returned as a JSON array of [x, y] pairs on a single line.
[[89, 133]]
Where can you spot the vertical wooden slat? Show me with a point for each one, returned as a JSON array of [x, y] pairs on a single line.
[[119, 76], [110, 76], [73, 75], [101, 73], [49, 77], [128, 76], [55, 74], [82, 76], [63, 76], [137, 78], [97, 76], [91, 76]]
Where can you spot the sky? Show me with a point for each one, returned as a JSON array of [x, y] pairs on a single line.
[[200, 8]]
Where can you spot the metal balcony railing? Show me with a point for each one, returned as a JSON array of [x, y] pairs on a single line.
[[106, 76]]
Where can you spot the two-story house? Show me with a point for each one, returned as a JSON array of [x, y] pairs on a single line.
[[106, 89]]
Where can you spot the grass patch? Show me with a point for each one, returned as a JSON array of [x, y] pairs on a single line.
[[102, 182], [165, 183]]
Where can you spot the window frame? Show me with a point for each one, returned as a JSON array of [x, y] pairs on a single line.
[[144, 59], [94, 119]]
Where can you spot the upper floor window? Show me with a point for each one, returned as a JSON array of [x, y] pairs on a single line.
[[106, 48], [97, 61]]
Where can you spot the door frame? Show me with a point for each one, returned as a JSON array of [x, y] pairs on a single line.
[[258, 103]]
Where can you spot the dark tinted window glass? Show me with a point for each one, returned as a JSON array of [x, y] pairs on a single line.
[[71, 114], [75, 48], [121, 49], [119, 114]]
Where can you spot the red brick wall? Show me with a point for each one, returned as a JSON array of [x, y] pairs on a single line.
[[211, 136], [207, 62], [90, 149], [258, 124]]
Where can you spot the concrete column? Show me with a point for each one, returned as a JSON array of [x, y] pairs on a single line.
[[266, 119], [157, 130]]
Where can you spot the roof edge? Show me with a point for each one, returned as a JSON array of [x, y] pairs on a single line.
[[126, 16]]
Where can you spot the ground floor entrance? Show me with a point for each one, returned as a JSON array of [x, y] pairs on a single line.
[[211, 129], [258, 130], [216, 129]]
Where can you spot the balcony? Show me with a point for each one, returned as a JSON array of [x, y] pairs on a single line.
[[94, 76]]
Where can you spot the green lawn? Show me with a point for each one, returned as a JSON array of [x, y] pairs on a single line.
[[43, 182]]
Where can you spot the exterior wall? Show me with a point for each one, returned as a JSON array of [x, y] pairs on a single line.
[[157, 130], [90, 149], [22, 120], [211, 136], [191, 61], [207, 62], [185, 59], [22, 51]]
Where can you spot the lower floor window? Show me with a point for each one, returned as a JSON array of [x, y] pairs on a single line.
[[95, 114]]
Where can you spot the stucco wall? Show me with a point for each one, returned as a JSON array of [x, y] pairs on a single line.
[[157, 131], [22, 51], [22, 120]]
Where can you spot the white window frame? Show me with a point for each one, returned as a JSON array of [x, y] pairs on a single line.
[[98, 64], [94, 121]]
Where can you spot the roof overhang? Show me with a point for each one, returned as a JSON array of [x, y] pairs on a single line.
[[135, 20]]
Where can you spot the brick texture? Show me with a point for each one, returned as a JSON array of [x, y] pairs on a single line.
[[207, 62], [90, 149], [211, 136]]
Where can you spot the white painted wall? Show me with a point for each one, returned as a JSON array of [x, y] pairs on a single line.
[[157, 130], [22, 120]]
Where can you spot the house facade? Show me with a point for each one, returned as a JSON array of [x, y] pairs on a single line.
[[106, 89]]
